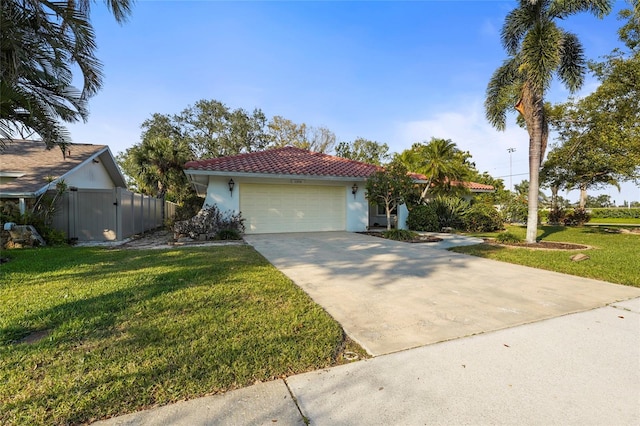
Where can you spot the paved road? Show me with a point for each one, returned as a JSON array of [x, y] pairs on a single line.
[[391, 296]]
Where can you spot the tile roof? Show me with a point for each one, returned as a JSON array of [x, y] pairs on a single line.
[[473, 186], [35, 163], [298, 162], [286, 161]]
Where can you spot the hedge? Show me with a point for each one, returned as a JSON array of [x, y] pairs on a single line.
[[609, 213]]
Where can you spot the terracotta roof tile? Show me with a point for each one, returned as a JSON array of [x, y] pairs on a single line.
[[286, 161], [474, 186]]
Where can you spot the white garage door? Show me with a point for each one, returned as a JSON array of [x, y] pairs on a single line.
[[292, 208]]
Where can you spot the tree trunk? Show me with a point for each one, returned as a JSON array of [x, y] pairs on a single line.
[[554, 197], [388, 209], [583, 196], [535, 157]]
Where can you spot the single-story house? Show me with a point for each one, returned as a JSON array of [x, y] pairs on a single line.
[[28, 169], [290, 190], [96, 205]]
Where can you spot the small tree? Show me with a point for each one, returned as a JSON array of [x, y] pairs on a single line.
[[390, 187]]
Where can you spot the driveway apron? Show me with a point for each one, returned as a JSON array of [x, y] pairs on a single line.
[[391, 296]]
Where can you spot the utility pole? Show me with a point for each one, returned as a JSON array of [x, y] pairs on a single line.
[[511, 151]]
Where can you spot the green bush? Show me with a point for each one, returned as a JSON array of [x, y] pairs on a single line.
[[400, 235], [228, 234], [508, 237], [578, 217], [482, 217], [622, 213], [423, 218], [556, 216], [450, 211]]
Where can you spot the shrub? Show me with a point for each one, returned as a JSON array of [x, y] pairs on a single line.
[[210, 221], [423, 218], [516, 210], [482, 217], [400, 235], [556, 216], [450, 211], [578, 217], [616, 213], [508, 237], [228, 234]]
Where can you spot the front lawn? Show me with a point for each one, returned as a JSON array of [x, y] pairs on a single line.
[[613, 257], [121, 330]]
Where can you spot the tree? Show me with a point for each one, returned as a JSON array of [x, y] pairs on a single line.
[[216, 131], [538, 50], [364, 150], [443, 164], [155, 165], [602, 200], [389, 187], [284, 132], [42, 42]]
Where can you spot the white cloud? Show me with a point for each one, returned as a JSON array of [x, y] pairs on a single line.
[[469, 129]]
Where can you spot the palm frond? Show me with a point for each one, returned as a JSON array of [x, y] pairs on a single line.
[[572, 62]]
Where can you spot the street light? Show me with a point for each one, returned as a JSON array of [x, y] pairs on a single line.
[[511, 151]]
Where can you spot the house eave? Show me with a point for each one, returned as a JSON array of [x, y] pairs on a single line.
[[273, 175]]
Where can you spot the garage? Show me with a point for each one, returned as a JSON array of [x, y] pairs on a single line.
[[292, 208]]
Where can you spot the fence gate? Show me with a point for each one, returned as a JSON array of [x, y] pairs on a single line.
[[107, 214]]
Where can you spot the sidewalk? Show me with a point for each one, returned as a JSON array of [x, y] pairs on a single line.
[[581, 369]]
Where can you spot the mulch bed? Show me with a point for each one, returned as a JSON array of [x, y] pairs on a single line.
[[541, 245], [420, 239]]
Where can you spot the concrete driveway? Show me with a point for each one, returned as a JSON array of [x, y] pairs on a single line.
[[390, 296]]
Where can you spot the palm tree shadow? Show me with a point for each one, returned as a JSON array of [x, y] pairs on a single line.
[[550, 230]]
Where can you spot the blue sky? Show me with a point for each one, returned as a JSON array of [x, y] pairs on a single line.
[[394, 72]]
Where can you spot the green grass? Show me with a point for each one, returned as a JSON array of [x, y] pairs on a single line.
[[131, 329], [614, 257]]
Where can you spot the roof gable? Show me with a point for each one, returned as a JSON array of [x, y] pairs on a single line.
[[28, 165], [286, 161]]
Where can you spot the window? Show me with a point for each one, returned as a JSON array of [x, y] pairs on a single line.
[[381, 211]]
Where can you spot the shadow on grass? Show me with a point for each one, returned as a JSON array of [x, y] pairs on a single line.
[[549, 230]]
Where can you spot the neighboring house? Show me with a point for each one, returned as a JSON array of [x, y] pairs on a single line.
[[289, 190], [28, 169], [96, 206]]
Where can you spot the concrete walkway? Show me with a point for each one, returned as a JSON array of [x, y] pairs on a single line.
[[541, 347], [391, 296]]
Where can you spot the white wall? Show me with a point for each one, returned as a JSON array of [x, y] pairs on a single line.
[[90, 176], [218, 194], [357, 209]]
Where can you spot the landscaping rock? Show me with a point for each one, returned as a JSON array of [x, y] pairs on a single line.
[[21, 236], [579, 257]]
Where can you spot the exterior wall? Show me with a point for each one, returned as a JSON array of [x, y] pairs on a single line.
[[218, 193], [381, 220], [90, 176], [357, 209]]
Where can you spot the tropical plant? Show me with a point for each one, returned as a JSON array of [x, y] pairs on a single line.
[[538, 50], [450, 211], [155, 165], [43, 42], [443, 164]]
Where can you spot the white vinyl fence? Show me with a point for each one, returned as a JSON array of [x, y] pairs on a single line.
[[109, 214]]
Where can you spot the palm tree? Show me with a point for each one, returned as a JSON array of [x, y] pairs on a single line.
[[538, 50], [443, 164], [41, 41]]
